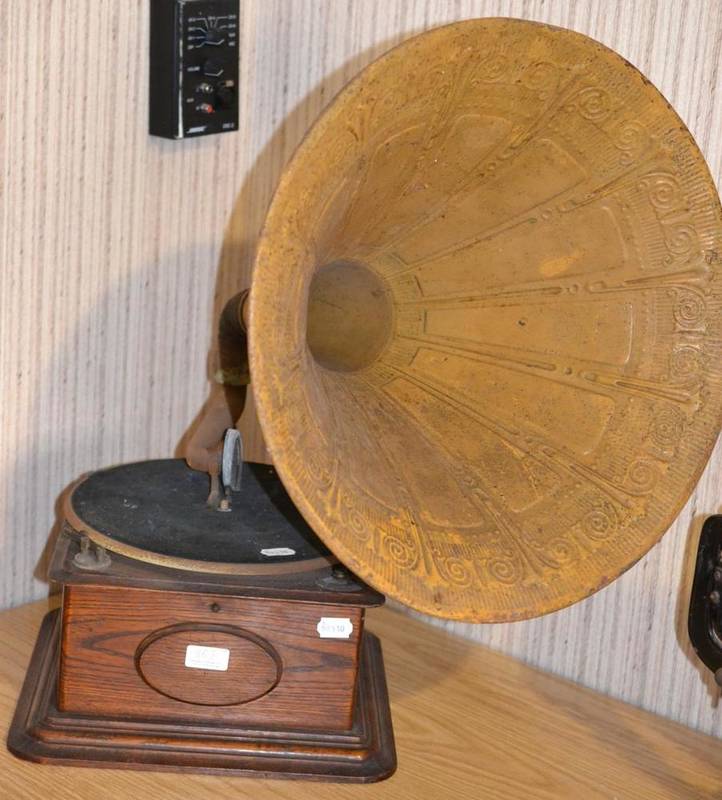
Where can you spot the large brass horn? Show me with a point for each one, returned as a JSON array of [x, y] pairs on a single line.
[[485, 320]]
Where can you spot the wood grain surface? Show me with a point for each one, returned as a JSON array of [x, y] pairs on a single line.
[[253, 670], [364, 751], [103, 627], [118, 249], [469, 724]]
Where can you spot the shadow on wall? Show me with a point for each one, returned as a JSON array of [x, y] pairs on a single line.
[[126, 410], [249, 212], [102, 395]]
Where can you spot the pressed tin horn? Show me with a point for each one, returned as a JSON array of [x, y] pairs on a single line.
[[485, 320]]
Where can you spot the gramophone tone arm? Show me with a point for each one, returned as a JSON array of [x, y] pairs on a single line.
[[203, 451], [228, 394]]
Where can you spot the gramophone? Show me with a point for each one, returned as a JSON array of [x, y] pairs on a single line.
[[484, 342]]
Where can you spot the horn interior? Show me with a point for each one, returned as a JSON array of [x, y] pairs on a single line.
[[485, 320]]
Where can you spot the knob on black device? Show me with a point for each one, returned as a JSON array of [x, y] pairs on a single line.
[[193, 67]]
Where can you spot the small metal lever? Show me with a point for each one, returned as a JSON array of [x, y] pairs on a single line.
[[92, 557]]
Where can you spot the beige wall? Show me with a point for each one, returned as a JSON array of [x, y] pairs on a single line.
[[117, 248]]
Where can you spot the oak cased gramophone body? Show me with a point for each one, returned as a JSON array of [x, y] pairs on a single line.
[[484, 338], [260, 667]]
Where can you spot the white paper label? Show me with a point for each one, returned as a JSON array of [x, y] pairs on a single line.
[[334, 627], [278, 551], [200, 657]]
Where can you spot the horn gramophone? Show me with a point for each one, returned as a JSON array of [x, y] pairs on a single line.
[[484, 341]]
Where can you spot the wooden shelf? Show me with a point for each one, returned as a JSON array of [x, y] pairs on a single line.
[[469, 723]]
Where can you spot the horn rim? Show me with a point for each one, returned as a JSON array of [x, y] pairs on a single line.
[[261, 318]]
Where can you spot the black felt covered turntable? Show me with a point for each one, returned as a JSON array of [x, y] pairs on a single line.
[[156, 511]]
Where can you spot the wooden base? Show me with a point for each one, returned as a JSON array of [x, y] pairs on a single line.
[[42, 733]]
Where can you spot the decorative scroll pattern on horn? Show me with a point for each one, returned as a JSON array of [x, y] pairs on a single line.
[[547, 234]]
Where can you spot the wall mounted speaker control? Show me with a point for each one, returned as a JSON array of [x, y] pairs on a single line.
[[193, 67]]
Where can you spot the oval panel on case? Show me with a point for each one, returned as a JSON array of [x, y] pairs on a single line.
[[213, 665]]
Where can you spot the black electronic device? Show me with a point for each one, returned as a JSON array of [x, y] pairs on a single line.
[[705, 606], [193, 67]]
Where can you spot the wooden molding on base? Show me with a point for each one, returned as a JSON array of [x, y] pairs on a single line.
[[42, 733]]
